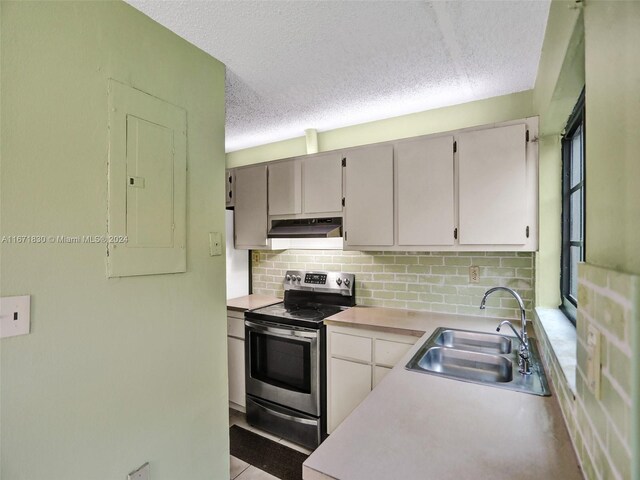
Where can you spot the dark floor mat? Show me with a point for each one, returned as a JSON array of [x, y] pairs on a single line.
[[272, 457]]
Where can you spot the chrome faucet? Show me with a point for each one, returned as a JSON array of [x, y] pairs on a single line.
[[523, 361]]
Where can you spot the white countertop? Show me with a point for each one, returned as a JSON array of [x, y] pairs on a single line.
[[249, 302], [420, 426]]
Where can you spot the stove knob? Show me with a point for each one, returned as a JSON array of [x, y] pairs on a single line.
[[339, 281], [299, 278], [288, 278], [346, 282]]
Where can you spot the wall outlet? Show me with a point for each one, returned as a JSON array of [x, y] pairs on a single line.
[[474, 274], [15, 316], [593, 360], [215, 243], [255, 258], [141, 473]]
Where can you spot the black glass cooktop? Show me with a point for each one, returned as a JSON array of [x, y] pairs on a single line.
[[305, 315]]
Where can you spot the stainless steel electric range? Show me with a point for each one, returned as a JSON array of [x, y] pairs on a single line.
[[285, 355]]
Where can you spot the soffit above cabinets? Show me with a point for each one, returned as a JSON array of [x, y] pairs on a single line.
[[323, 65]]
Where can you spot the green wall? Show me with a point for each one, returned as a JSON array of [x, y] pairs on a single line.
[[547, 260], [612, 70], [558, 85], [596, 45], [115, 372], [481, 112], [612, 31]]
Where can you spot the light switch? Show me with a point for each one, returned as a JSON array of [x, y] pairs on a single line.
[[15, 316], [215, 243], [593, 360], [142, 473]]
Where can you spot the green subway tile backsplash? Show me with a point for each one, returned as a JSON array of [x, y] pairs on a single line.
[[428, 281], [601, 425]]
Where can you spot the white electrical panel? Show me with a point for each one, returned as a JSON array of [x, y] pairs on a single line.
[[15, 316], [147, 184]]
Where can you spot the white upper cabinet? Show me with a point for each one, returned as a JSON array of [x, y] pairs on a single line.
[[369, 197], [306, 186], [493, 186], [322, 184], [425, 192], [285, 188], [250, 219], [467, 190]]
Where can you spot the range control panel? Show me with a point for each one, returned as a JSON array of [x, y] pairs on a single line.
[[316, 278], [334, 282]]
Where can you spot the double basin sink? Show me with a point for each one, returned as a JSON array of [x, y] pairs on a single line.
[[478, 357]]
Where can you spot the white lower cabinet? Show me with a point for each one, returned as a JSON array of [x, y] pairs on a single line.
[[357, 360], [351, 383], [379, 373], [236, 371], [235, 346]]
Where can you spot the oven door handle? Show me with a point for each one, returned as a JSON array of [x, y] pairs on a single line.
[[280, 331], [284, 416]]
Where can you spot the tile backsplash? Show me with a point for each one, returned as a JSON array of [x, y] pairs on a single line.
[[428, 281], [601, 423], [608, 301]]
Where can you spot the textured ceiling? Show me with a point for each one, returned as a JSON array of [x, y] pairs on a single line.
[[293, 65]]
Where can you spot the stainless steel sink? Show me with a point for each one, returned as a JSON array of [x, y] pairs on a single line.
[[479, 367], [474, 341], [479, 357]]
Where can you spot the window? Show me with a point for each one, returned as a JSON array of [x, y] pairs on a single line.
[[573, 207]]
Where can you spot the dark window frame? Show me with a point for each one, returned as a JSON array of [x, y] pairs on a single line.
[[575, 123]]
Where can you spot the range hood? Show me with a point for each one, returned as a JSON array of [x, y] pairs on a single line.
[[306, 228]]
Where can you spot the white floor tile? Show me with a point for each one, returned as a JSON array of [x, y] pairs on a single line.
[[253, 473], [237, 467]]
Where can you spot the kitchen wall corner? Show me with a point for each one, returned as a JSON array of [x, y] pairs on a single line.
[[603, 426]]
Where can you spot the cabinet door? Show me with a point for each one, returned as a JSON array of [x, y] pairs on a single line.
[[354, 347], [236, 371], [425, 192], [350, 384], [389, 353], [235, 326], [369, 196], [285, 188], [250, 219], [378, 374], [322, 183], [492, 185]]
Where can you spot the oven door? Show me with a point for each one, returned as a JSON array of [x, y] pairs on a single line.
[[282, 365]]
